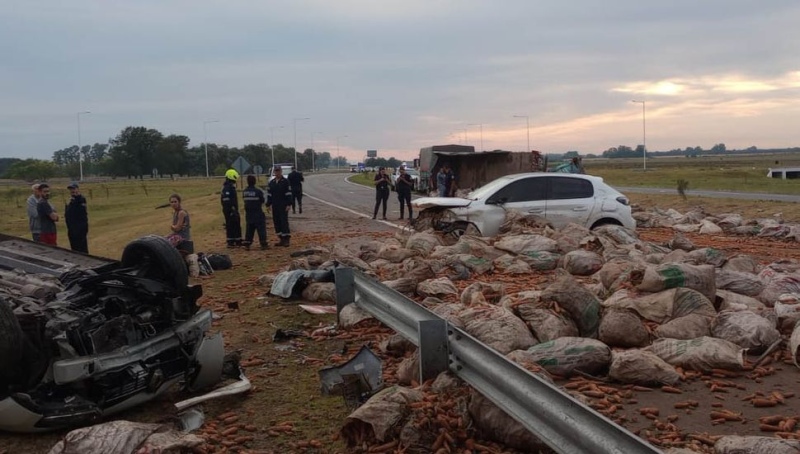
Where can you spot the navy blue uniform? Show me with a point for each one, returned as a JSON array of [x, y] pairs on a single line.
[[403, 187], [77, 219], [381, 193], [230, 210], [254, 218], [296, 183], [279, 197]]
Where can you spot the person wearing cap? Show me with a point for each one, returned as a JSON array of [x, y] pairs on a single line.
[[381, 191], [404, 186], [254, 219], [34, 223], [296, 183], [47, 217], [279, 200], [77, 219], [230, 209]]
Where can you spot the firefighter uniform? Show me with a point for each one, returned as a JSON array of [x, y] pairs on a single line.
[[279, 198], [254, 218], [230, 209]]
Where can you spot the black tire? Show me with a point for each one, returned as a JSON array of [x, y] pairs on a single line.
[[155, 258], [12, 342]]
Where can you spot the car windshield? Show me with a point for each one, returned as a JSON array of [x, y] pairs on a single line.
[[488, 189], [413, 173]]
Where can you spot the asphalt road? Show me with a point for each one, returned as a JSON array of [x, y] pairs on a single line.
[[334, 188], [716, 194]]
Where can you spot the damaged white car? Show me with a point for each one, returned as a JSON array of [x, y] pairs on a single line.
[[559, 198], [82, 336]]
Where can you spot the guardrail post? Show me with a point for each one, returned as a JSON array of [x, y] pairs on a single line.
[[433, 352], [345, 289]]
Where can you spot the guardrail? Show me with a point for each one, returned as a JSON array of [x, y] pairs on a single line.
[[559, 420]]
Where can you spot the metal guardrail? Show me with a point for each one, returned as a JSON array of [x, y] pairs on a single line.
[[559, 420]]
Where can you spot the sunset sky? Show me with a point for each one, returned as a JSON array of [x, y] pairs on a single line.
[[400, 75]]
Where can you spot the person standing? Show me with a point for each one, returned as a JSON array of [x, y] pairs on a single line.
[[450, 183], [381, 191], [47, 217], [77, 219], [34, 223], [279, 199], [296, 183], [230, 209], [254, 219], [441, 180], [404, 185]]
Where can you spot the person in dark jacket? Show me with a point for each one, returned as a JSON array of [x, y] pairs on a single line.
[[279, 199], [77, 219], [381, 191], [404, 185], [296, 183], [47, 217], [230, 209], [254, 219]]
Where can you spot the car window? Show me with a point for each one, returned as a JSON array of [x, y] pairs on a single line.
[[525, 190], [570, 188]]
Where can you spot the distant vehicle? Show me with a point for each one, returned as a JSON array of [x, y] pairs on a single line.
[[414, 178], [353, 169], [560, 198], [285, 169]]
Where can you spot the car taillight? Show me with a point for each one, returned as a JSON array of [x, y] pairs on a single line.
[[623, 200]]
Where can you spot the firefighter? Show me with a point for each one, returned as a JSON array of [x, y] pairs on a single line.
[[296, 183], [255, 221], [279, 199], [230, 209]]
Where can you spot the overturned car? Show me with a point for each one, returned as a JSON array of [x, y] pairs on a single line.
[[83, 336]]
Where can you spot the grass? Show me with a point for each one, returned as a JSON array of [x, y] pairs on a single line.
[[364, 178]]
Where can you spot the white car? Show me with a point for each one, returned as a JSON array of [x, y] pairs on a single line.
[[560, 198], [411, 172]]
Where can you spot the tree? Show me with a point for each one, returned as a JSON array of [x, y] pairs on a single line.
[[32, 169], [134, 151], [323, 160], [172, 155], [5, 164], [718, 148], [339, 161]]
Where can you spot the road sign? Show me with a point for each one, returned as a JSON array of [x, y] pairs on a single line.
[[241, 165], [258, 170], [372, 153]]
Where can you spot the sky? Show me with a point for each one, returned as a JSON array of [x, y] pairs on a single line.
[[396, 76]]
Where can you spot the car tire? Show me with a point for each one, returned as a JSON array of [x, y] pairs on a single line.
[[12, 342], [156, 259], [459, 229]]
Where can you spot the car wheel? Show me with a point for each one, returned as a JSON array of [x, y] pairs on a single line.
[[460, 229], [11, 344], [155, 258]]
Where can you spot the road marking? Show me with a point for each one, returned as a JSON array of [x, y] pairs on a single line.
[[366, 216]]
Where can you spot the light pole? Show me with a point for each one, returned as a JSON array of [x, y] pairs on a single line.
[[294, 122], [338, 161], [205, 140], [644, 136], [481, 126], [272, 145], [313, 152], [80, 155], [528, 126]]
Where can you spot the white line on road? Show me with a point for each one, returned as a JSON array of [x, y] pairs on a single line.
[[390, 224]]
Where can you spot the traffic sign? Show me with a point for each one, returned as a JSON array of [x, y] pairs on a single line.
[[241, 165], [258, 170]]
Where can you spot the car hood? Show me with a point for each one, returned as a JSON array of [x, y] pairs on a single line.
[[444, 202]]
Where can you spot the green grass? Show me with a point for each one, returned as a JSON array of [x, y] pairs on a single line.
[[364, 178]]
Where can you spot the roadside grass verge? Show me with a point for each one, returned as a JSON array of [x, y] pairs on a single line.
[[364, 179]]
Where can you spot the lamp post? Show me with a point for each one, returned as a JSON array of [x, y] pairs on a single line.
[[644, 136], [528, 126], [272, 145], [313, 152], [80, 155], [294, 122], [338, 161], [481, 127], [205, 140]]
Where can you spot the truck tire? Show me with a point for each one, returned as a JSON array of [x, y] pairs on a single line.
[[11, 345], [156, 259]]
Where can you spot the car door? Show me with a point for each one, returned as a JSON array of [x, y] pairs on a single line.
[[526, 195], [569, 200]]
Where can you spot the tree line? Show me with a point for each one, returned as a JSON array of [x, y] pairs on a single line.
[[138, 151]]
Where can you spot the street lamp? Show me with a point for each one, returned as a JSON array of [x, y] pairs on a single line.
[[294, 122], [313, 152], [272, 144], [528, 125], [80, 155], [205, 140], [644, 136], [338, 160], [481, 126]]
